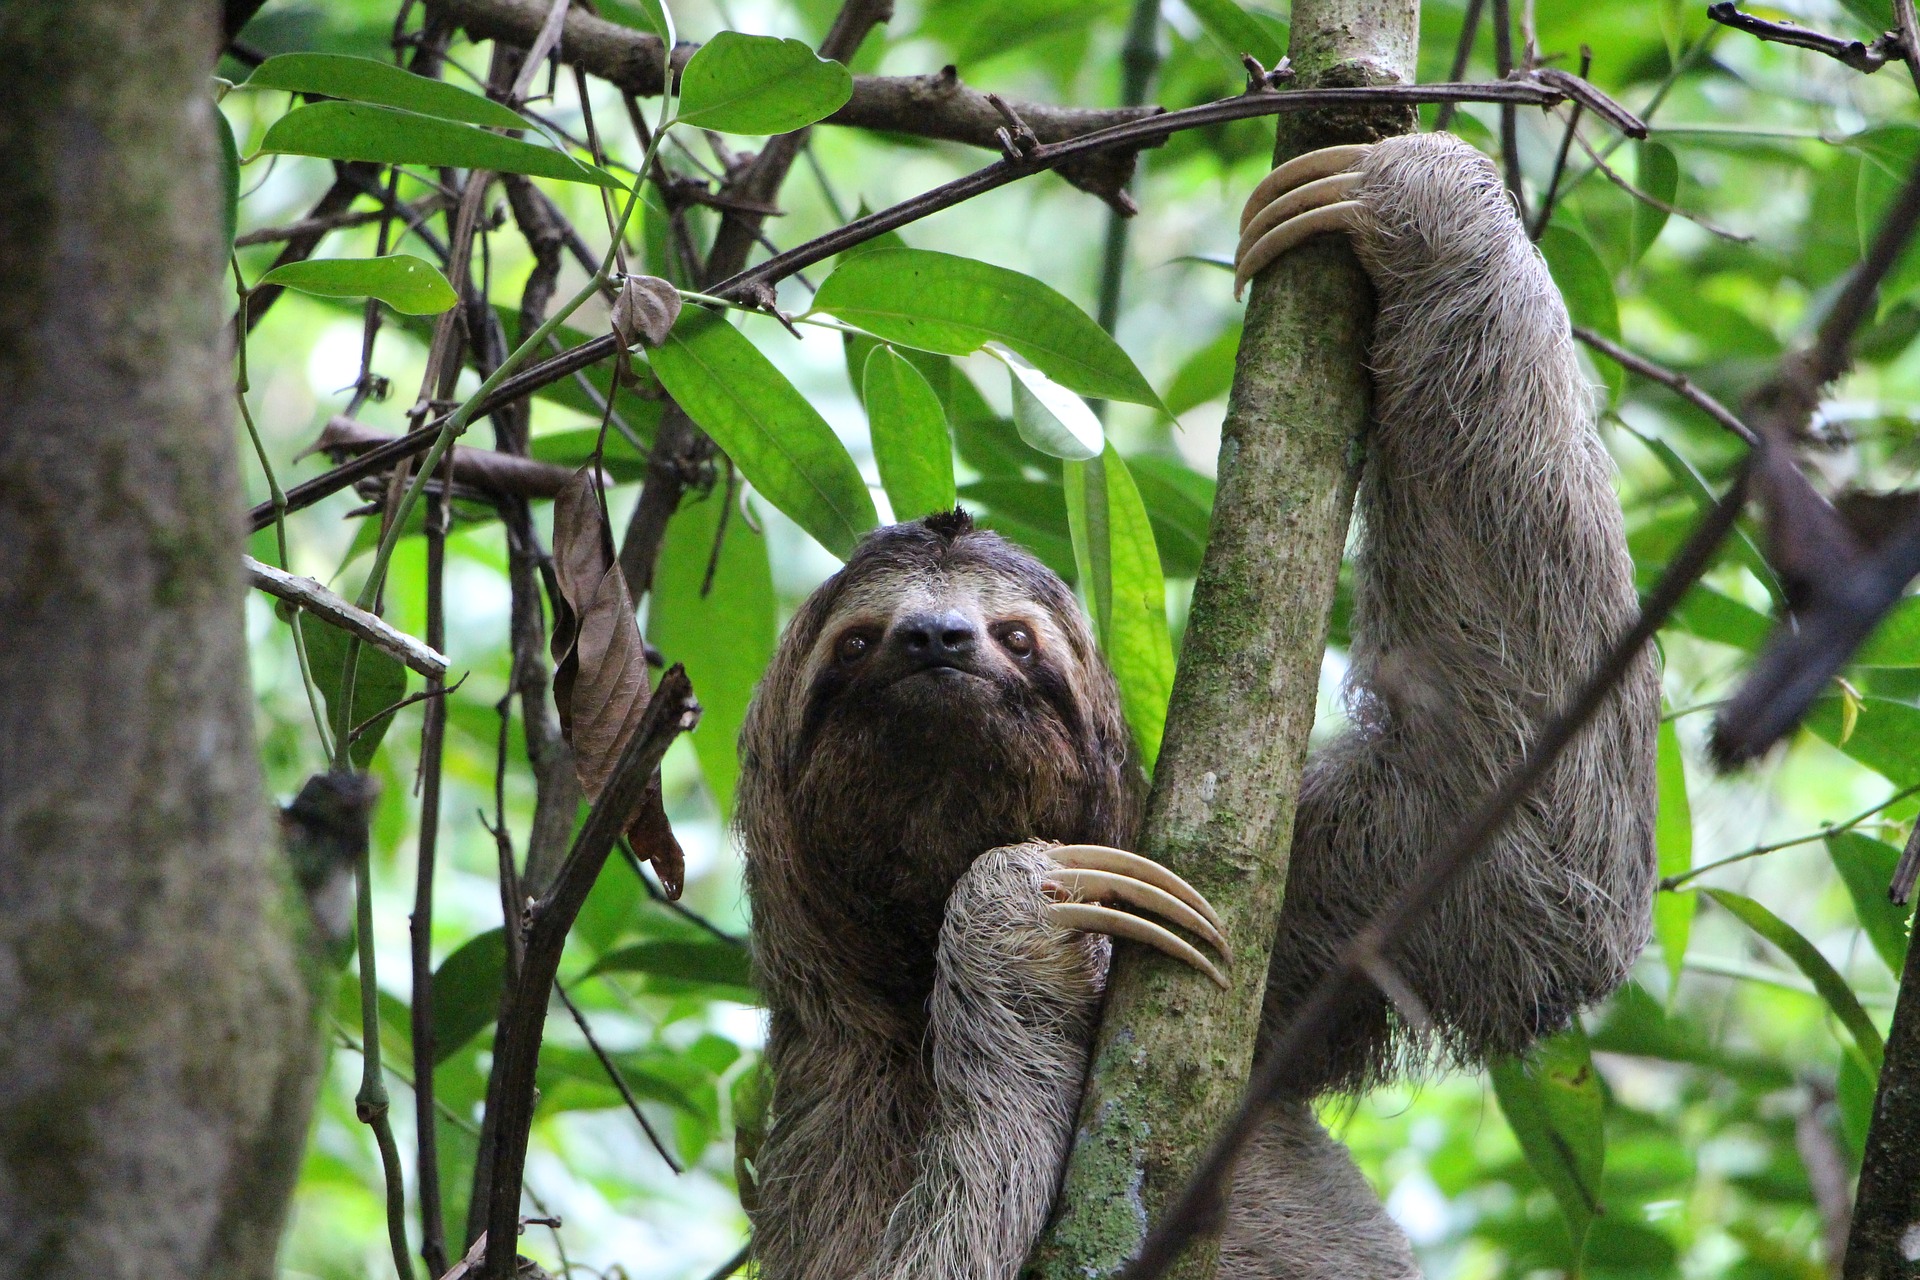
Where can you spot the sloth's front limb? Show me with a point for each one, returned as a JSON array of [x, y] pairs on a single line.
[[1020, 969], [1491, 577]]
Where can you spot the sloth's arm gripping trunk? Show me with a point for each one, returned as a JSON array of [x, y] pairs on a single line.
[[1173, 1053]]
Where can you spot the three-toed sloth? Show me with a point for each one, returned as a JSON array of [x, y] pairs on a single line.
[[936, 777]]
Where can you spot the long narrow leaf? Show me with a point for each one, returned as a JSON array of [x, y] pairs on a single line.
[[338, 75], [382, 135], [1825, 978]]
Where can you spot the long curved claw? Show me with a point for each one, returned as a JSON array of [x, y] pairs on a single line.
[[1307, 196], [1095, 871], [1083, 885], [1096, 919], [1100, 857]]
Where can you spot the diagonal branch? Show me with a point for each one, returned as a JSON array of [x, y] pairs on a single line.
[[1862, 57]]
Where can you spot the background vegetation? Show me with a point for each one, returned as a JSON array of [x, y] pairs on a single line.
[[1734, 1081]]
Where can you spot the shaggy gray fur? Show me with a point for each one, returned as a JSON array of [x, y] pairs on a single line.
[[930, 1026]]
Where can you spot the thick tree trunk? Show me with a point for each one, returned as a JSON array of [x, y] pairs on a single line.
[[1884, 1243], [157, 1040], [1174, 1053]]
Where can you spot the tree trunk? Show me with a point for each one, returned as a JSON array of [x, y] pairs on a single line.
[[156, 1018], [1884, 1243], [1173, 1053]]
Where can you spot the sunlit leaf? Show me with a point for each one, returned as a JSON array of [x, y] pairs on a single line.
[[1048, 416], [1896, 641], [1882, 737], [466, 992], [1120, 577], [400, 280], [1807, 958], [335, 75], [1554, 1103], [382, 135], [954, 306], [723, 629], [759, 84], [911, 446], [1673, 839], [778, 440], [1866, 868]]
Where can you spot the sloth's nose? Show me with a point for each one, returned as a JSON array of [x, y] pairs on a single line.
[[935, 639]]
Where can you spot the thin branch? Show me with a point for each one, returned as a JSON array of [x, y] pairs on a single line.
[[1611, 175], [330, 608], [1761, 850], [612, 1069], [516, 1046], [742, 285], [1678, 383], [1509, 124], [1560, 159], [338, 222], [1197, 1208], [1867, 58]]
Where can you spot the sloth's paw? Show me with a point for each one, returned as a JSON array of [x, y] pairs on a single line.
[[1085, 877], [1307, 196]]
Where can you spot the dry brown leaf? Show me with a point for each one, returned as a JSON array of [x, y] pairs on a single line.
[[600, 666], [645, 311]]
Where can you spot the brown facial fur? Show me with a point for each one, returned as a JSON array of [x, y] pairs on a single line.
[[872, 782]]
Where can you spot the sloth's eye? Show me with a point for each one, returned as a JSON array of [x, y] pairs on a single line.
[[853, 647], [1015, 638]]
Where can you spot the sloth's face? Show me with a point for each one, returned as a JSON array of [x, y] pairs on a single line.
[[938, 697]]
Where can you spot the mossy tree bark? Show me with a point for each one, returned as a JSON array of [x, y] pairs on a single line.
[[158, 1044], [1173, 1052]]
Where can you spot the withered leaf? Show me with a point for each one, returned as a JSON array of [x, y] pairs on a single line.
[[600, 667], [645, 311]]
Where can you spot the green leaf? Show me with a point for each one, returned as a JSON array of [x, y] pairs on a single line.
[[1673, 838], [1554, 1103], [1120, 577], [1866, 868], [1695, 486], [466, 992], [1896, 641], [1876, 14], [1587, 286], [336, 75], [724, 633], [379, 682], [1855, 1091], [1236, 31], [909, 429], [1825, 978], [1659, 177], [229, 179], [1711, 615], [1048, 416], [400, 280], [382, 135], [1883, 737], [759, 84], [954, 306], [1206, 375], [1180, 504], [780, 442], [708, 963]]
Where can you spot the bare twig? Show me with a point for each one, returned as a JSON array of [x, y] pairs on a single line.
[[1828, 1168], [1560, 159], [1761, 850], [510, 1087], [1509, 125], [1199, 1204], [319, 226], [330, 608], [1867, 58], [1611, 175], [1678, 383], [490, 470], [1462, 52], [612, 1069]]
